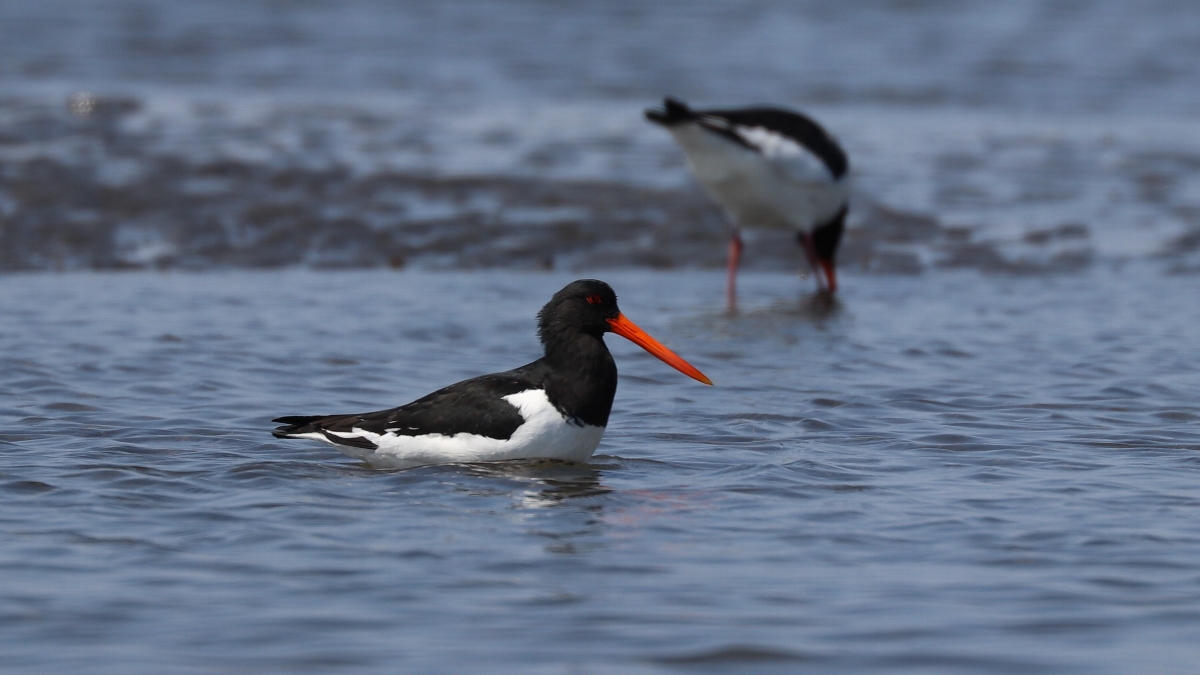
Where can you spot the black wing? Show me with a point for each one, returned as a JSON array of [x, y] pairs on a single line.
[[795, 126], [474, 406]]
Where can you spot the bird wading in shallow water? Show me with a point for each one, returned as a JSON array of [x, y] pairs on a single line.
[[554, 408], [767, 168]]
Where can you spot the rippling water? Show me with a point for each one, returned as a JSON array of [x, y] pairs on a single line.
[[982, 458], [946, 473]]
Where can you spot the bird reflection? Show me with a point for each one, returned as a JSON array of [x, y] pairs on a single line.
[[819, 305], [814, 306], [555, 481]]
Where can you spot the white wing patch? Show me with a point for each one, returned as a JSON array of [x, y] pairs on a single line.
[[769, 143], [786, 154], [545, 434]]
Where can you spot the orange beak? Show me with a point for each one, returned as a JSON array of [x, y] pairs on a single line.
[[629, 330]]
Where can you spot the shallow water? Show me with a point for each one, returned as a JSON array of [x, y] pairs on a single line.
[[945, 473], [982, 458]]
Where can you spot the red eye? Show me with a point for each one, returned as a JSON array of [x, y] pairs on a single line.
[[594, 299]]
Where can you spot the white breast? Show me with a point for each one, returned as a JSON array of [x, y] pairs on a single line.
[[545, 434]]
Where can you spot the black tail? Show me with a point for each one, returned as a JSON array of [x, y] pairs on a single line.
[[294, 424], [307, 424], [673, 112]]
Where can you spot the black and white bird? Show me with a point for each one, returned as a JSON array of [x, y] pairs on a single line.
[[556, 407], [767, 168]]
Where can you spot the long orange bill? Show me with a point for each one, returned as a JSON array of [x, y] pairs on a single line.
[[629, 330]]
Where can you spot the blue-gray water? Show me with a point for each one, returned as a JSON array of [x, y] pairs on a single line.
[[948, 473], [983, 459]]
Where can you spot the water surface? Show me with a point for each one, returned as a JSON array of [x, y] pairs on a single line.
[[947, 473], [982, 458]]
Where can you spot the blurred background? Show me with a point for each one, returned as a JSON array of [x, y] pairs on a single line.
[[982, 457], [1026, 136]]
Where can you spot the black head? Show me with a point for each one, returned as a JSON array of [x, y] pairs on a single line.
[[826, 236], [673, 112], [822, 246], [572, 326], [583, 306]]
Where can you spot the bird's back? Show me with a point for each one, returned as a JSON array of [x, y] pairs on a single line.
[[782, 190]]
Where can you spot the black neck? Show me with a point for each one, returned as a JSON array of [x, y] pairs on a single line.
[[582, 377]]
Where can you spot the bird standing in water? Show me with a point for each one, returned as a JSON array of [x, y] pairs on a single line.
[[556, 407], [768, 168]]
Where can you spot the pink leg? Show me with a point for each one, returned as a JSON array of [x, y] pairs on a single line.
[[811, 253], [735, 257]]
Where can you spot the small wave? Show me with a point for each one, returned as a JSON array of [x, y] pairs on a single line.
[[736, 655]]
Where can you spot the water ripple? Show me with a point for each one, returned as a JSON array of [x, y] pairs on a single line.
[[982, 497]]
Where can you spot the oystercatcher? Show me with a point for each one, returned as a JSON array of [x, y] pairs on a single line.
[[769, 168], [556, 407]]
